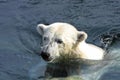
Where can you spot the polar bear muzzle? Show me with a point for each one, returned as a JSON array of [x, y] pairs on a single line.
[[46, 56]]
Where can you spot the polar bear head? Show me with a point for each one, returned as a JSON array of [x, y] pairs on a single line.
[[59, 38]]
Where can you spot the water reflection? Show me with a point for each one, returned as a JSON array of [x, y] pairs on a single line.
[[79, 69]]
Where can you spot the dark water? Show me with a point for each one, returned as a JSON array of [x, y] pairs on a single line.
[[20, 42]]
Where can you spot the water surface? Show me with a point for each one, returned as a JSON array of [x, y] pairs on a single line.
[[20, 42]]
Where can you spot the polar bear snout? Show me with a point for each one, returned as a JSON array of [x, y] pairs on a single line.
[[45, 56]]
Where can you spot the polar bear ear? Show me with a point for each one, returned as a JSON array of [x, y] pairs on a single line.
[[81, 36], [40, 28]]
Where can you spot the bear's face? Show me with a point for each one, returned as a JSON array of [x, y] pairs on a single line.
[[58, 38]]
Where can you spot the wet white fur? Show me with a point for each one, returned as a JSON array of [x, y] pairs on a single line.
[[68, 34]]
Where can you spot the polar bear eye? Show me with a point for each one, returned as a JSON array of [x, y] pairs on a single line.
[[45, 38], [59, 41]]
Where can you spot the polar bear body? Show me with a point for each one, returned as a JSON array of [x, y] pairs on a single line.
[[63, 38], [91, 51]]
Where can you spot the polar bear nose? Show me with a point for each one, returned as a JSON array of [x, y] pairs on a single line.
[[45, 56]]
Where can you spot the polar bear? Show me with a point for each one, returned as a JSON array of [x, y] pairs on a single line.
[[63, 38]]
